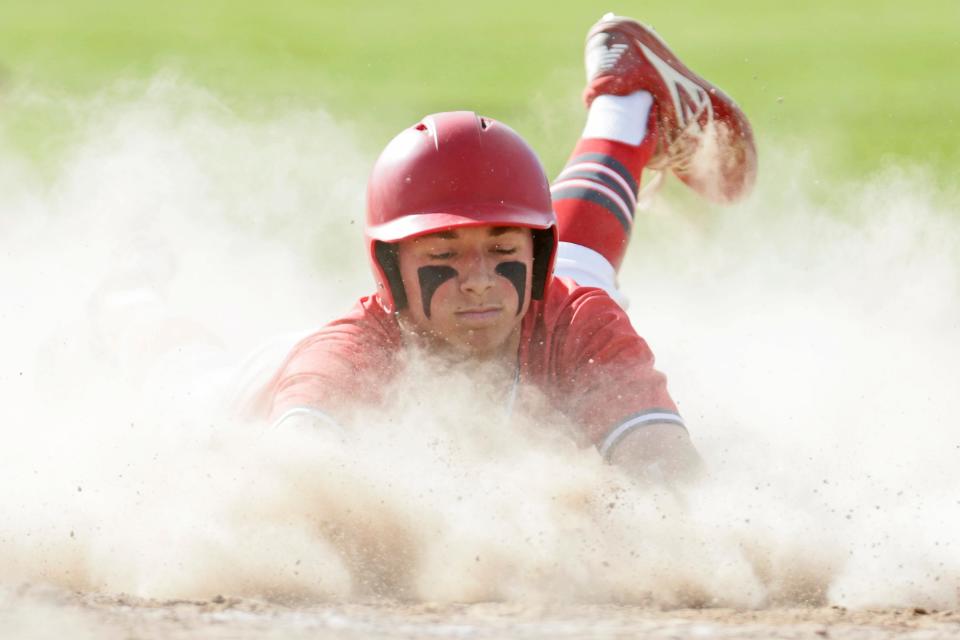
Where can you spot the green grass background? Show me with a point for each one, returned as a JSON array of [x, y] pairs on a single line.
[[865, 83]]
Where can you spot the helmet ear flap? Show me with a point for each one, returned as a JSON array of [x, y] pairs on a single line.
[[388, 257], [544, 245]]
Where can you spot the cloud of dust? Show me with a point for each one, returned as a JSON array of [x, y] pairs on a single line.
[[811, 346]]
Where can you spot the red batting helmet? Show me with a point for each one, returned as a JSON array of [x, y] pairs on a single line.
[[451, 170]]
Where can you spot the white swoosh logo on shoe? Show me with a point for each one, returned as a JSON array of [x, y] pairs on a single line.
[[690, 100]]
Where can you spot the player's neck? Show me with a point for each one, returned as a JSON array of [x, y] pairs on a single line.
[[504, 355]]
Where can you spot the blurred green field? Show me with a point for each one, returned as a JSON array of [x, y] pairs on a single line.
[[863, 83]]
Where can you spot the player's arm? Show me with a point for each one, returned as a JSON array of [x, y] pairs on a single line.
[[658, 452], [306, 396], [620, 398], [328, 375]]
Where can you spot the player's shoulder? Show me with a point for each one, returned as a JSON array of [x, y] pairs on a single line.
[[580, 322], [567, 302], [366, 331], [366, 316]]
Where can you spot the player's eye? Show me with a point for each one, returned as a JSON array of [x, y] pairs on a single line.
[[440, 255], [504, 251]]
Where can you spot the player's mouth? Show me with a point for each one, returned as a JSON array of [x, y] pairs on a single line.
[[479, 315]]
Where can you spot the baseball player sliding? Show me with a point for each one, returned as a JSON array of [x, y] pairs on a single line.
[[478, 258]]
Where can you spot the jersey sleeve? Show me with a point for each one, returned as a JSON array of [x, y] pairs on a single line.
[[328, 374], [606, 372]]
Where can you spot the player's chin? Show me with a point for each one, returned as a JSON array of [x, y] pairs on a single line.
[[480, 341]]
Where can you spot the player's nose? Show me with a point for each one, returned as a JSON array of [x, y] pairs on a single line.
[[477, 276]]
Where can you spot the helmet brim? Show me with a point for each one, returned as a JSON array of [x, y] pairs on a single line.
[[421, 224]]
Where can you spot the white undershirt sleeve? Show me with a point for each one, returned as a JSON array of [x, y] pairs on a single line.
[[588, 268]]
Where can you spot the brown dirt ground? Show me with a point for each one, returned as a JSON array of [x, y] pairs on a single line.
[[62, 615]]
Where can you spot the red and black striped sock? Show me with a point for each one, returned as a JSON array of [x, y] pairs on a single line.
[[595, 195]]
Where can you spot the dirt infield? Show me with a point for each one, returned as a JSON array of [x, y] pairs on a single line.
[[808, 337], [61, 615]]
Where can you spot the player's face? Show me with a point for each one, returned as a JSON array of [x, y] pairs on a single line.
[[468, 287]]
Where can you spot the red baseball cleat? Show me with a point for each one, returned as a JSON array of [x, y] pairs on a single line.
[[702, 135]]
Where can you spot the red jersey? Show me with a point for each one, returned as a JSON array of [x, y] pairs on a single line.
[[577, 347]]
